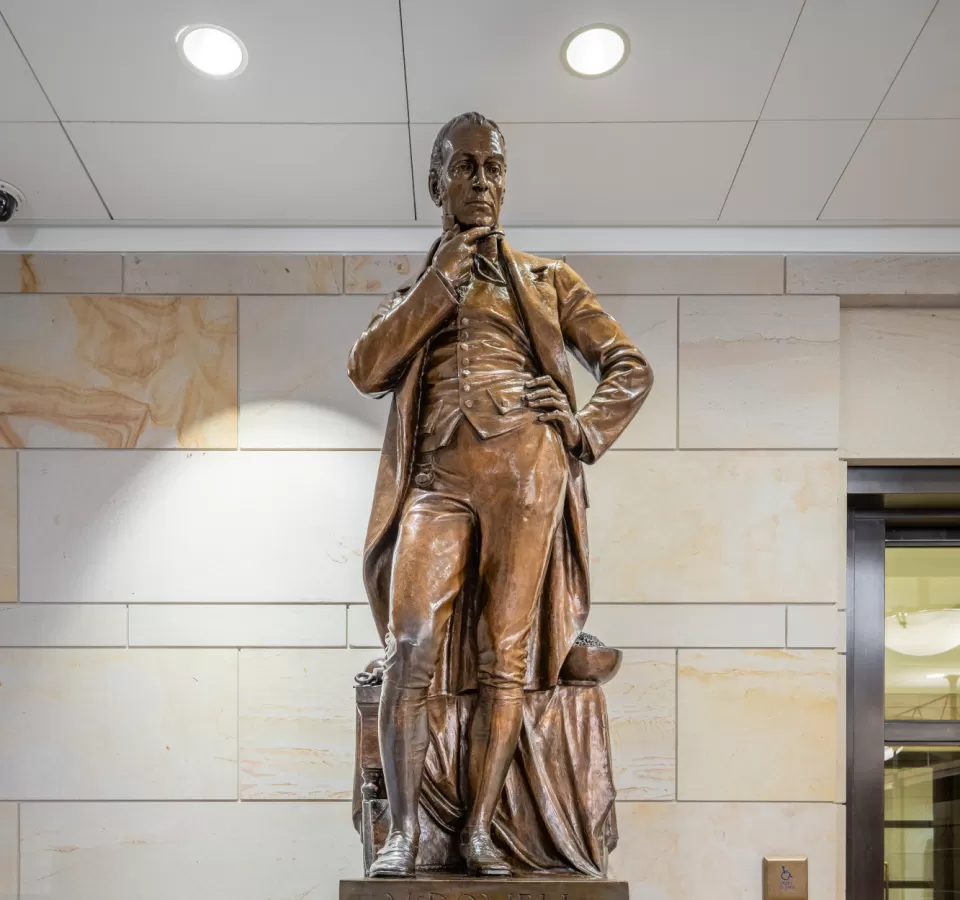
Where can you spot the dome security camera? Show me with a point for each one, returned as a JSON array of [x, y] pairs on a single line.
[[11, 199]]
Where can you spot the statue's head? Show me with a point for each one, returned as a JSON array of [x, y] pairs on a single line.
[[468, 170]]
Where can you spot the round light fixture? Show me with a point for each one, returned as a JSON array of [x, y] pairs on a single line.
[[595, 50], [212, 50]]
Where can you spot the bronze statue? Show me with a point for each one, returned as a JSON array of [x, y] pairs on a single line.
[[476, 554]]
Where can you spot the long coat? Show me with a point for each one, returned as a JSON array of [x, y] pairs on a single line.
[[559, 312]]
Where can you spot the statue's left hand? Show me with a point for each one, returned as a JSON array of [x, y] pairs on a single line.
[[544, 394]]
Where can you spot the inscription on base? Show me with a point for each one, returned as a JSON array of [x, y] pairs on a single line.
[[452, 888]]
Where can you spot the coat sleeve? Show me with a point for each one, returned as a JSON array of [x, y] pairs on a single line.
[[399, 328], [623, 374]]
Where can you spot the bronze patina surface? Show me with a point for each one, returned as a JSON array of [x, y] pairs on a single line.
[[493, 742]]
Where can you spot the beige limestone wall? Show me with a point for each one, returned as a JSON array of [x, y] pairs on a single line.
[[180, 623]]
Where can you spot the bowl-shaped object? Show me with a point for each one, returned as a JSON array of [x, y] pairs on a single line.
[[588, 664]]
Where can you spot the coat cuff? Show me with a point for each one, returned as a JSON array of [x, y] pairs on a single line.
[[591, 443], [444, 282]]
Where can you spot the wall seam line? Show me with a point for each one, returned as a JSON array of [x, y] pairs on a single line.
[[239, 799], [676, 725], [676, 445], [17, 548]]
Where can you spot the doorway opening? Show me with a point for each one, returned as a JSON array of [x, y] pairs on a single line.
[[903, 672]]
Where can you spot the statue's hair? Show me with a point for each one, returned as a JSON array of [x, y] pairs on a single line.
[[471, 118]]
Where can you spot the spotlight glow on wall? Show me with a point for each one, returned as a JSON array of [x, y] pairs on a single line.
[[212, 50], [595, 50]]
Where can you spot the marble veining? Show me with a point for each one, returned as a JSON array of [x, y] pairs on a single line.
[[690, 851], [900, 366], [641, 702], [98, 724], [95, 371], [759, 372], [151, 526], [375, 274], [297, 723], [757, 725], [53, 273], [9, 850], [231, 273], [873, 274], [188, 851], [715, 527], [669, 273]]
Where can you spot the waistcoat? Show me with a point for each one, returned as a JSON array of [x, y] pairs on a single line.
[[477, 366]]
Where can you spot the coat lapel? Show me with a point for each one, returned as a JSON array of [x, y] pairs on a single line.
[[538, 303]]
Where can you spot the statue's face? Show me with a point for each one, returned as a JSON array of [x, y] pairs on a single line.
[[473, 176]]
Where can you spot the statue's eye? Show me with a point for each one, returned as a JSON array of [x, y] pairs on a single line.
[[494, 170], [462, 168]]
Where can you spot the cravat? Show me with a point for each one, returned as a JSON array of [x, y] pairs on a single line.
[[486, 264]]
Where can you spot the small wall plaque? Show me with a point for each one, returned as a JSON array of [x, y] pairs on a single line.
[[784, 878]]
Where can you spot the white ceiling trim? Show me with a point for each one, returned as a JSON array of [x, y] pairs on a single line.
[[415, 239]]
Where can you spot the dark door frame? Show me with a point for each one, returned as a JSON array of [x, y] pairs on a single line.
[[873, 524]]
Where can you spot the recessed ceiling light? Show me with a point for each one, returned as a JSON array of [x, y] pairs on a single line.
[[595, 50], [213, 50]]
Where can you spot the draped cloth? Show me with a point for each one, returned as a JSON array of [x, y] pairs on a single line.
[[556, 814]]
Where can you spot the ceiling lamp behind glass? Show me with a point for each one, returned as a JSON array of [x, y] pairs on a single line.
[[212, 50], [595, 50]]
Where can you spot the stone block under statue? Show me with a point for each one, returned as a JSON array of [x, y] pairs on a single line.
[[440, 887]]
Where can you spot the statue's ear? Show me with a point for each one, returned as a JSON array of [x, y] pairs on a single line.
[[433, 185]]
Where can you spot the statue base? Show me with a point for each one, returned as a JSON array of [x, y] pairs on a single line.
[[462, 887]]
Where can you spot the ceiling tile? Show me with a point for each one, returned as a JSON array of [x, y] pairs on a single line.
[[303, 173], [38, 159], [929, 85], [789, 170], [116, 60], [843, 57], [607, 174], [21, 99], [904, 171], [691, 60]]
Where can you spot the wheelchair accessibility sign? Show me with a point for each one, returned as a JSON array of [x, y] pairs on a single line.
[[785, 878]]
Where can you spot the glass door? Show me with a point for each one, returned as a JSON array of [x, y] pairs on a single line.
[[903, 685], [921, 800], [921, 785]]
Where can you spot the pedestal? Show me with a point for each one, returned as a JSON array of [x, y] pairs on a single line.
[[453, 887]]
